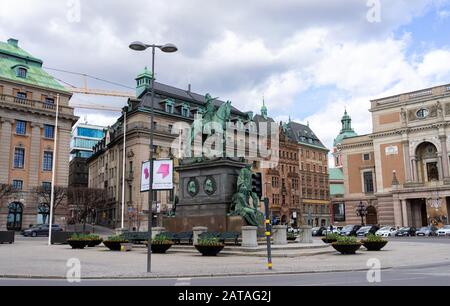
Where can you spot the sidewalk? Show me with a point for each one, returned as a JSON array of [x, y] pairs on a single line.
[[35, 259]]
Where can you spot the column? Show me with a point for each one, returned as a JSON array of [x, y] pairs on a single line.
[[249, 236], [440, 168], [35, 155], [443, 139], [398, 217], [407, 161], [415, 176], [279, 234], [5, 149], [404, 213]]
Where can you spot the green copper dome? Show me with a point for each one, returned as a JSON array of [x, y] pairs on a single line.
[[346, 131]]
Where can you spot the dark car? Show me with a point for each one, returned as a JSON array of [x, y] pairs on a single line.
[[350, 230], [406, 231], [427, 231], [319, 231], [366, 230], [40, 230]]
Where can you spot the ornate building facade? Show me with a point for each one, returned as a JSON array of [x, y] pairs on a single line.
[[27, 133], [401, 170]]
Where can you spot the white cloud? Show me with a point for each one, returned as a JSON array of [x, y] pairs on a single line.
[[240, 50]]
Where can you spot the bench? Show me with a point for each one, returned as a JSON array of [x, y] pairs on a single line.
[[179, 238], [222, 237], [135, 237], [7, 237]]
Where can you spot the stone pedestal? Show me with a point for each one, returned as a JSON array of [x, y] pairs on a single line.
[[304, 235], [196, 231], [279, 234], [249, 236], [205, 195], [157, 231]]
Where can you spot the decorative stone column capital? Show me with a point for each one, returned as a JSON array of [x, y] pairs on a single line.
[[443, 138]]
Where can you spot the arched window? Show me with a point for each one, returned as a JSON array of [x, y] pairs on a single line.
[[14, 219]]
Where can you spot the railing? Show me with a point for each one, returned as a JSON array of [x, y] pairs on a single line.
[[34, 104], [421, 93], [413, 95]]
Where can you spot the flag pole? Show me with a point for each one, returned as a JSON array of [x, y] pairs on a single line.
[[52, 195]]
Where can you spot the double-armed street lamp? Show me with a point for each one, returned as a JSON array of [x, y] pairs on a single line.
[[168, 48], [361, 211]]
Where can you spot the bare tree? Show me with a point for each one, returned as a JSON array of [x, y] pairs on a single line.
[[44, 193], [86, 202], [6, 190]]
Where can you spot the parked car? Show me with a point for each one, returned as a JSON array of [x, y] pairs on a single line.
[[40, 230], [293, 230], [406, 231], [350, 230], [335, 230], [366, 230], [427, 231], [444, 231], [318, 231], [386, 231]]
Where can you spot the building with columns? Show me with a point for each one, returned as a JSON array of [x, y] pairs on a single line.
[[401, 170], [27, 132]]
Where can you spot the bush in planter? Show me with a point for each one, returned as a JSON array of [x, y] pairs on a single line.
[[78, 241], [291, 236], [161, 243], [114, 242], [346, 245], [374, 243], [210, 246], [330, 238], [93, 240]]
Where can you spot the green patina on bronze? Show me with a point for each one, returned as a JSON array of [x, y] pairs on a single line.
[[241, 199]]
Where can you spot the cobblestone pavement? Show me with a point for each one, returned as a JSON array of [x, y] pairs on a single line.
[[33, 258]]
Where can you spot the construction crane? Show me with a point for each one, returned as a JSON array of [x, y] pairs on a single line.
[[99, 92]]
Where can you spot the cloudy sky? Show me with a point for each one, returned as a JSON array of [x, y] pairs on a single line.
[[309, 58]]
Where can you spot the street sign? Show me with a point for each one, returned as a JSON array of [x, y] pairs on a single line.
[[162, 174], [145, 176]]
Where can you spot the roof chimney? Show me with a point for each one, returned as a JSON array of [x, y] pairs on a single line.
[[13, 42], [189, 87]]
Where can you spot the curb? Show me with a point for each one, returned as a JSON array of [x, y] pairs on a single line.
[[168, 276]]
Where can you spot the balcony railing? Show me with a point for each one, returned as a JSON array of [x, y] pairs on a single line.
[[12, 100]]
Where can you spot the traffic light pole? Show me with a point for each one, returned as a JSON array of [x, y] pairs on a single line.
[[268, 233]]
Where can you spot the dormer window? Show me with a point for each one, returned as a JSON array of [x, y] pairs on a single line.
[[20, 70], [169, 106], [185, 110]]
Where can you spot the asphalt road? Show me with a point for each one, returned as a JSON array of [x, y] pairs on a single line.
[[431, 275]]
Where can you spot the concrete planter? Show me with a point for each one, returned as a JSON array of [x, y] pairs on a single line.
[[346, 249], [209, 250], [94, 243], [78, 244], [160, 248], [374, 245]]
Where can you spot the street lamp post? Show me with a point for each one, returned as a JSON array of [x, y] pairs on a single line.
[[168, 48], [361, 211]]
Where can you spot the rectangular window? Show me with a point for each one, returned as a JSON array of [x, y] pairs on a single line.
[[366, 156], [339, 212], [48, 161], [17, 184], [49, 131], [368, 182], [21, 127], [21, 95], [19, 158]]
